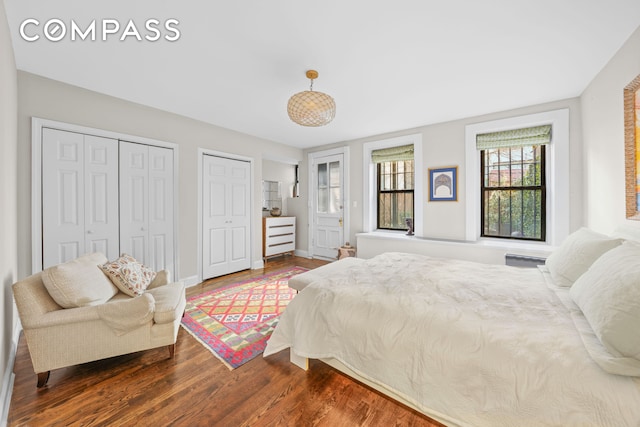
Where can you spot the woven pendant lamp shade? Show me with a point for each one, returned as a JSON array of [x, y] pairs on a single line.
[[311, 108]]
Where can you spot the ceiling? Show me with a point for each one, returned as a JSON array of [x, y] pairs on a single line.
[[389, 65]]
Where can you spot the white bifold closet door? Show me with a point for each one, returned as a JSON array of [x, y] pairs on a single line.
[[146, 204], [79, 196], [226, 216]]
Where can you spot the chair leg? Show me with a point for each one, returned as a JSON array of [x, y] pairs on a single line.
[[172, 351], [43, 377]]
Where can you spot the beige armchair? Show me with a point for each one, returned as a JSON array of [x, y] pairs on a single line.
[[58, 337]]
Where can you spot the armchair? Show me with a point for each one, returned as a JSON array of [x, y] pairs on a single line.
[[58, 337]]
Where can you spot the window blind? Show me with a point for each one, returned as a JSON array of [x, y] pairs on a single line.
[[392, 154], [537, 135]]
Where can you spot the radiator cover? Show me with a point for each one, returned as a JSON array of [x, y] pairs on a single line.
[[523, 260]]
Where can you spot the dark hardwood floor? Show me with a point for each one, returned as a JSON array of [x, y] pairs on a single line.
[[196, 389]]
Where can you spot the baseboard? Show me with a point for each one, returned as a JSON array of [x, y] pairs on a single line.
[[301, 253], [257, 265], [190, 281], [7, 391], [9, 377]]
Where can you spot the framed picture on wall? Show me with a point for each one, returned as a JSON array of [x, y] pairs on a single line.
[[632, 148], [443, 184]]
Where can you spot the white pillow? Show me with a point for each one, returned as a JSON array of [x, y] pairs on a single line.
[[129, 275], [609, 296], [576, 254], [79, 282]]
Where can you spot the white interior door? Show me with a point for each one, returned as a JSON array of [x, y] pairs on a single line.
[[328, 206], [146, 204], [226, 216], [63, 231], [161, 200], [101, 196], [134, 200], [79, 196]]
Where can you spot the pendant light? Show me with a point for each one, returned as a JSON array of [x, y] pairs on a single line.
[[311, 108]]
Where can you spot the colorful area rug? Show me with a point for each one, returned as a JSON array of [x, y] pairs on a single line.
[[234, 322]]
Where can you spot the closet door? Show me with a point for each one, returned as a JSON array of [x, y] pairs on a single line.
[[161, 201], [226, 216], [101, 196], [62, 196], [146, 204], [79, 196], [134, 200]]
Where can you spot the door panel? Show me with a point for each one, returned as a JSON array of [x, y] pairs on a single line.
[[217, 248], [98, 245], [161, 201], [226, 216], [63, 234], [134, 200], [328, 206], [238, 248], [88, 187], [159, 251], [101, 196]]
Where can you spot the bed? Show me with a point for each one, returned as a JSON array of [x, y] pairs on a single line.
[[472, 344]]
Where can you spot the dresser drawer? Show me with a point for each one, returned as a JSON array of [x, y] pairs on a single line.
[[280, 221], [279, 230], [279, 248]]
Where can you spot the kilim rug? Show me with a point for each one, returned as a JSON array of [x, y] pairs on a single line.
[[234, 322]]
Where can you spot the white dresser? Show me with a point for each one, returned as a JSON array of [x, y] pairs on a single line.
[[278, 235]]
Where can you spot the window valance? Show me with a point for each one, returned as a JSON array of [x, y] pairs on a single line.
[[392, 154], [536, 135]]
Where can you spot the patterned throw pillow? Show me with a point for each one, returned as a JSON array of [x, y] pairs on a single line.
[[129, 275]]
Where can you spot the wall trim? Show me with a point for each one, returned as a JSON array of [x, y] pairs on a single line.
[[369, 204], [557, 170], [301, 253], [190, 281], [37, 124], [9, 377]]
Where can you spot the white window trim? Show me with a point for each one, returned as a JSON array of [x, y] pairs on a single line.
[[370, 205], [557, 174]]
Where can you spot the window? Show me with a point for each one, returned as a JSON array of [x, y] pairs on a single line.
[[395, 186], [513, 183], [370, 181], [557, 176], [395, 194]]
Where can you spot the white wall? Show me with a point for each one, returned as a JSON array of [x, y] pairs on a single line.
[[603, 128], [49, 99], [8, 202], [444, 145]]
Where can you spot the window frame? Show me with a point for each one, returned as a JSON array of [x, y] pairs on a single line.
[[542, 188], [369, 182], [396, 191], [557, 174]]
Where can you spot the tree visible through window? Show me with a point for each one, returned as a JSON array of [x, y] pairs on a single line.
[[513, 192], [395, 193]]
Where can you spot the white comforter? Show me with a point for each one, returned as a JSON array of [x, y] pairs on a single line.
[[469, 343]]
